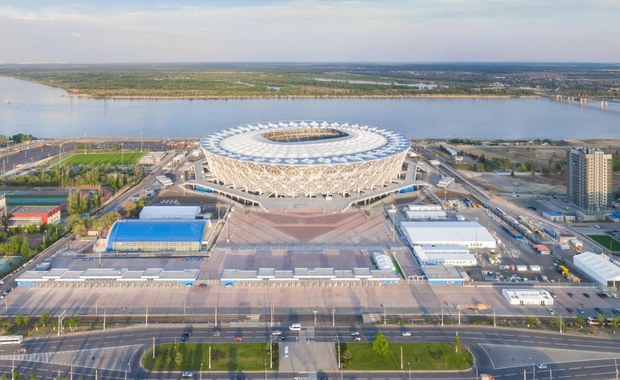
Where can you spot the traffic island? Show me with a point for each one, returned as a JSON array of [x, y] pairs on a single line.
[[229, 357], [415, 357]]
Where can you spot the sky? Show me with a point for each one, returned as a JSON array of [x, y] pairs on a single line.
[[115, 31]]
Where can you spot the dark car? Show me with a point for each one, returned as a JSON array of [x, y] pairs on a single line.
[[571, 294], [586, 295]]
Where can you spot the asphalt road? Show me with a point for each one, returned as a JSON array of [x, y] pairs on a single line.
[[142, 339]]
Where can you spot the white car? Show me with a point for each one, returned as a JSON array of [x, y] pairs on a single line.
[[295, 327], [406, 333], [541, 366]]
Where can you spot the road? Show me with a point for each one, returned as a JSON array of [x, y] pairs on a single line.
[[133, 342]]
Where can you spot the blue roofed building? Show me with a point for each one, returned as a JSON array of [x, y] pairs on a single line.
[[553, 215], [157, 235]]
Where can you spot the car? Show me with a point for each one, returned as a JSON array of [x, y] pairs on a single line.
[[295, 327], [217, 333], [202, 285], [598, 310], [228, 284], [187, 375], [183, 338], [586, 295], [286, 351], [571, 294], [570, 310], [541, 366], [552, 294], [357, 339], [283, 338], [580, 310], [614, 295], [550, 311], [616, 310], [276, 333], [406, 333], [238, 339], [355, 333]]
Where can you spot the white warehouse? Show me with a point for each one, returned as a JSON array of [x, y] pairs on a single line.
[[598, 268], [170, 212], [425, 212], [469, 234], [523, 297], [448, 255]]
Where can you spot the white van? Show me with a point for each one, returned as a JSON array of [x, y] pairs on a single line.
[[295, 327]]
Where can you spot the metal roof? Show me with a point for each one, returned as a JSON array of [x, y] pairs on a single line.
[[598, 265], [446, 233], [169, 212], [156, 231], [358, 143]]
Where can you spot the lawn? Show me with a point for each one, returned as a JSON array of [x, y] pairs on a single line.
[[229, 357], [416, 356], [605, 241], [93, 159]]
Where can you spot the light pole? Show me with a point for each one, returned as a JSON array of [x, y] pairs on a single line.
[[409, 368], [333, 316], [314, 312], [200, 372]]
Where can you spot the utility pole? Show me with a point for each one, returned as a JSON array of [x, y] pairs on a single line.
[[271, 319], [442, 316], [215, 315], [146, 317], [495, 321], [333, 316], [384, 315], [104, 315], [401, 357], [209, 357], [270, 355], [154, 348]]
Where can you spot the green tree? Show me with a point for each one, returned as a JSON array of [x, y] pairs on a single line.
[[380, 345], [178, 358], [615, 321], [19, 320], [601, 319], [33, 376], [581, 321], [457, 344], [45, 318], [26, 320]]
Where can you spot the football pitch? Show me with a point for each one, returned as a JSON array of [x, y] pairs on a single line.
[[607, 242], [94, 159]]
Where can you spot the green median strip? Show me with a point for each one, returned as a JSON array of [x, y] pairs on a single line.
[[228, 357]]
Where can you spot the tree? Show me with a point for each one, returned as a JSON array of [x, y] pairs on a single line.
[[601, 319], [129, 208], [615, 321], [581, 321], [26, 320], [457, 344], [33, 376], [178, 358], [19, 320], [380, 345], [45, 318]]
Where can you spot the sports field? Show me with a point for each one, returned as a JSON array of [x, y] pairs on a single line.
[[606, 241], [94, 159]]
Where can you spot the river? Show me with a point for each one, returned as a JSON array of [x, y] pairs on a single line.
[[48, 112]]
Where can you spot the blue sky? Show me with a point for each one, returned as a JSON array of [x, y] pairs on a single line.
[[309, 31]]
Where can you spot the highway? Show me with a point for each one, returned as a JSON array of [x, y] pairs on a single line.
[[133, 342]]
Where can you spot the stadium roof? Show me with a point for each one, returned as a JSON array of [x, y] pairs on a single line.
[[348, 143], [156, 230]]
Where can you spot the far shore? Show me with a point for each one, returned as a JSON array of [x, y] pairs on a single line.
[[75, 94]]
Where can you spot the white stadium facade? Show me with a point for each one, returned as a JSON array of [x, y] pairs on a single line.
[[305, 158]]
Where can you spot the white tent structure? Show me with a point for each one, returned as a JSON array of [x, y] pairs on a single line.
[[598, 268], [469, 234]]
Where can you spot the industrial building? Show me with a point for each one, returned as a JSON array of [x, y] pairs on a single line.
[[448, 255], [553, 216], [170, 212], [462, 233], [105, 277], [590, 182], [598, 268], [157, 236], [23, 216], [528, 297], [443, 275], [310, 276], [425, 212]]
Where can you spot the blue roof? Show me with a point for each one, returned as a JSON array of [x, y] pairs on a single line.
[[156, 231], [616, 215], [552, 213]]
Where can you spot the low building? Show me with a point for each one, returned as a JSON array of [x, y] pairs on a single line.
[[554, 216], [384, 262], [425, 212], [542, 249], [463, 233], [170, 212], [447, 255], [151, 158], [442, 275], [23, 216], [164, 181], [528, 297], [598, 268], [445, 182], [157, 236]]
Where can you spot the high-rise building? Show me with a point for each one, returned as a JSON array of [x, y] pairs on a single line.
[[589, 178]]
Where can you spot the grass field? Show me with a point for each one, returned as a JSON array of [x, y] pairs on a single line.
[[94, 159], [605, 241], [229, 357], [416, 356]]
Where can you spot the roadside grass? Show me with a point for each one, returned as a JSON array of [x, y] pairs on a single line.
[[94, 159], [416, 356], [229, 357], [605, 241]]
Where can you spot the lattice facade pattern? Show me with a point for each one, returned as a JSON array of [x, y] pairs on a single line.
[[305, 180]]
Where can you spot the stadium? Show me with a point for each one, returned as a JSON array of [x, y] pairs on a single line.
[[305, 158]]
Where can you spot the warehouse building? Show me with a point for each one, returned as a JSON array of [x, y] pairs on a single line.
[[598, 268], [525, 297], [463, 233], [425, 212], [443, 275], [157, 236], [23, 216], [448, 255], [170, 213]]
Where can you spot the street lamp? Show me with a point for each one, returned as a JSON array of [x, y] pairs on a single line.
[[314, 312], [200, 372]]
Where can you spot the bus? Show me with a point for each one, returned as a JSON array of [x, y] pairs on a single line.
[[11, 339]]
